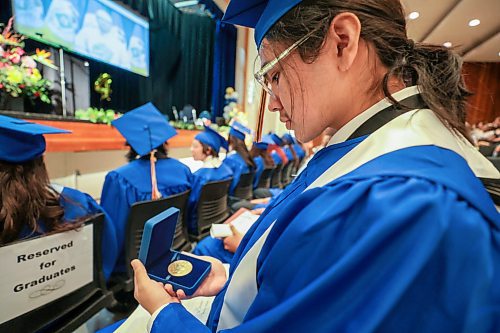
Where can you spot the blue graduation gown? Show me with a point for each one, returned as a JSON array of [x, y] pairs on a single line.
[[276, 158], [77, 205], [201, 177], [131, 183], [259, 162], [300, 152], [237, 164], [288, 154], [408, 242], [215, 247]]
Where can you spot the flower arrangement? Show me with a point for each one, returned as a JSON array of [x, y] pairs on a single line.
[[232, 110], [18, 73]]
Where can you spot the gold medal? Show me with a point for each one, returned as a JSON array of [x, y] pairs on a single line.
[[180, 268]]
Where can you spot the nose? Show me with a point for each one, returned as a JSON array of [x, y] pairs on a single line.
[[274, 104]]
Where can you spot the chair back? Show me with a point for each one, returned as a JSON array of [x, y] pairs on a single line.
[[212, 207], [140, 213], [244, 189], [276, 176], [265, 178], [61, 285], [286, 173]]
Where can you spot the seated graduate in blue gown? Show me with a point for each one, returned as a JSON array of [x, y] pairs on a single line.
[[262, 159], [150, 173], [290, 150], [30, 205], [389, 228], [205, 147], [238, 158]]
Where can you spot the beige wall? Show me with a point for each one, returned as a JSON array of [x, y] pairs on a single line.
[[253, 90]]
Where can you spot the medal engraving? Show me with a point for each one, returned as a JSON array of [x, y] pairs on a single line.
[[180, 268]]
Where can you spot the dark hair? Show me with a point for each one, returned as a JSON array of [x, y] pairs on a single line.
[[241, 148], [266, 157], [209, 151], [436, 69], [161, 152], [27, 198]]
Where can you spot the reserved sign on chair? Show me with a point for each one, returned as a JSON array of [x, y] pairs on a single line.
[[38, 271]]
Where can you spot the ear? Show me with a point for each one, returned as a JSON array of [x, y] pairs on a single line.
[[344, 31]]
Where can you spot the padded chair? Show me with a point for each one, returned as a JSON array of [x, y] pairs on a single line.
[[487, 150], [70, 311], [495, 161], [276, 176], [265, 178], [140, 213], [212, 207], [244, 189], [286, 173]]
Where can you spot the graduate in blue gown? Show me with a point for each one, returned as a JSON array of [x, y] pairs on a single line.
[[389, 228], [150, 173], [262, 159], [238, 158], [205, 147], [31, 206]]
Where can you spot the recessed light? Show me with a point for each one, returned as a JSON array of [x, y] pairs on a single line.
[[413, 15], [447, 44], [474, 23]]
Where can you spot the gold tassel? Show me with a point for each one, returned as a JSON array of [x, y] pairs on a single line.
[[155, 194]]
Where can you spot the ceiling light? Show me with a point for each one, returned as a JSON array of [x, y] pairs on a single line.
[[474, 23], [413, 15], [447, 44]]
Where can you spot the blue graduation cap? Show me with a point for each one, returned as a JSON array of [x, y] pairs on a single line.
[[212, 138], [239, 130], [288, 138], [258, 14], [144, 128], [268, 139], [22, 141], [277, 140], [261, 145]]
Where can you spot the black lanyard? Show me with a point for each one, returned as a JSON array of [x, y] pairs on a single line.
[[386, 115], [492, 186]]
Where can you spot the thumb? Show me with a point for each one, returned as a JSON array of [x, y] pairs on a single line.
[[140, 274], [233, 229]]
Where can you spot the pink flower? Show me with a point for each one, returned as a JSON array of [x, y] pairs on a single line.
[[15, 58], [2, 64], [1, 86], [19, 51], [28, 62]]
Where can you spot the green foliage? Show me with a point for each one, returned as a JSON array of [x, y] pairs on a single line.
[[96, 115]]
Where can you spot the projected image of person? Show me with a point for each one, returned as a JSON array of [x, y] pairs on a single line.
[[63, 21], [29, 13], [101, 36], [137, 47]]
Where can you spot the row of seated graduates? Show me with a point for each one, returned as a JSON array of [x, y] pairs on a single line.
[[212, 208], [204, 197]]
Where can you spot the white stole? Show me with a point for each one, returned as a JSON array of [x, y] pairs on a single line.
[[414, 128]]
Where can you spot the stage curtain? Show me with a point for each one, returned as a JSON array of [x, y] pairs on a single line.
[[181, 62]]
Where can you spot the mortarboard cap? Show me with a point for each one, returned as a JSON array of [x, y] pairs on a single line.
[[239, 130], [258, 14], [268, 139], [144, 128], [288, 138], [22, 141], [212, 138], [261, 145], [277, 140]]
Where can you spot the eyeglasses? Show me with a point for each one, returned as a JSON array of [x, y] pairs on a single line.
[[260, 76]]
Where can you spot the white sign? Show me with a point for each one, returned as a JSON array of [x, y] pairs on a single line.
[[38, 271]]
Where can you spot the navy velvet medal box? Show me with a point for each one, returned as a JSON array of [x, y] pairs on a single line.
[[156, 254]]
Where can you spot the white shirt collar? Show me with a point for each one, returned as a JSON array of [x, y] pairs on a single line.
[[345, 131], [212, 162]]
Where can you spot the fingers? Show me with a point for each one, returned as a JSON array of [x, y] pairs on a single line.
[[170, 290], [181, 294], [140, 274]]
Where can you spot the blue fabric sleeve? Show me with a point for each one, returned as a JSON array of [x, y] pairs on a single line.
[[175, 318]]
